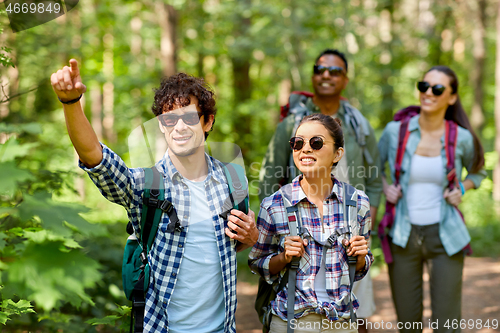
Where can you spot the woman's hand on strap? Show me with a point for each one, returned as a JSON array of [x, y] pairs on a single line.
[[294, 247], [393, 193], [357, 246], [453, 197]]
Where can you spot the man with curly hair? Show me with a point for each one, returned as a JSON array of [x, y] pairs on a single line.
[[193, 269]]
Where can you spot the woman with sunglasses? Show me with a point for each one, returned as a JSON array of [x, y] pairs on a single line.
[[427, 226], [322, 294]]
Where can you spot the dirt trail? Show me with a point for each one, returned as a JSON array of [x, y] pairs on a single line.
[[480, 300]]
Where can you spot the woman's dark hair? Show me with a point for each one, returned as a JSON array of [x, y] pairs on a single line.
[[332, 125], [456, 113], [177, 88]]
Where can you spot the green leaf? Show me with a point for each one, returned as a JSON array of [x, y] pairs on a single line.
[[9, 308], [30, 128], [12, 149], [49, 276], [108, 320], [55, 215], [2, 241], [10, 175], [43, 236]]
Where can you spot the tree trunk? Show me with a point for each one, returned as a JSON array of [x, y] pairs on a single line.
[[386, 59], [242, 85], [496, 172], [167, 19], [108, 89], [477, 74]]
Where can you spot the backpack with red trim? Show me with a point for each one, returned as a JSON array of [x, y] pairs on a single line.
[[451, 132]]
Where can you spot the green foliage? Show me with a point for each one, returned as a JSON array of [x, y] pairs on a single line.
[[43, 267], [119, 48], [9, 308]]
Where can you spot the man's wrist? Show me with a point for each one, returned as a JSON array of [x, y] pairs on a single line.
[[73, 101]]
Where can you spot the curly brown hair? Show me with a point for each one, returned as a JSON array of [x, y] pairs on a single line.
[[177, 88]]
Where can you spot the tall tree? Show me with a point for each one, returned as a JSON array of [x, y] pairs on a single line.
[[479, 53], [496, 172], [167, 17]]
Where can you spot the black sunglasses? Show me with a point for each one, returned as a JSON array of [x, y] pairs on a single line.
[[437, 90], [316, 143], [333, 70], [170, 119]]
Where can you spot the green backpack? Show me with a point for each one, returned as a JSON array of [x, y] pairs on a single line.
[[135, 267]]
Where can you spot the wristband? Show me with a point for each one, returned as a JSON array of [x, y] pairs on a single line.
[[73, 101], [462, 188]]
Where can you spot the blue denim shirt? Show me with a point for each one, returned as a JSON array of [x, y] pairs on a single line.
[[452, 230]]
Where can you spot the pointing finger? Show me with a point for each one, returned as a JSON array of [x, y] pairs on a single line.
[[74, 67]]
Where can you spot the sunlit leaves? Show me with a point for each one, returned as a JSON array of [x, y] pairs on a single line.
[[48, 275], [59, 217], [12, 149], [9, 308], [10, 175]]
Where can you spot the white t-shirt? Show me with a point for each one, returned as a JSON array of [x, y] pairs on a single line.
[[197, 303], [425, 190]]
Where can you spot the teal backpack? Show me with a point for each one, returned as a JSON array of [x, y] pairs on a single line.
[[135, 267]]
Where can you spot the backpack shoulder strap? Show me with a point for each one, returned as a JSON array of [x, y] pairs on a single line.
[[292, 212], [359, 124], [238, 186], [294, 226], [450, 139], [151, 216], [402, 141], [238, 189], [350, 218]]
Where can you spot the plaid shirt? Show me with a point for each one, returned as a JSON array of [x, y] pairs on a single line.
[[272, 223], [125, 186]]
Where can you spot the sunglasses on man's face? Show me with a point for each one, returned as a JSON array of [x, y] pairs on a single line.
[[170, 119], [437, 90], [333, 70], [316, 143]]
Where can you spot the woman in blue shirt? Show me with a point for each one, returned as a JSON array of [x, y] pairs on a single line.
[[428, 228]]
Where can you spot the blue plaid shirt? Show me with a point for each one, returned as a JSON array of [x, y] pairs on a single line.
[[125, 186], [272, 223]]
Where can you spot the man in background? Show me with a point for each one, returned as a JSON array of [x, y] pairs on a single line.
[[360, 164]]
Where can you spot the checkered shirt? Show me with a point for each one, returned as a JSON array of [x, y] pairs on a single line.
[[125, 186], [272, 223]]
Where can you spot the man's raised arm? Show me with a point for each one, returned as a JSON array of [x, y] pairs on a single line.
[[68, 86]]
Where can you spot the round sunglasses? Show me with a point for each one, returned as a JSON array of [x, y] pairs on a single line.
[[170, 119], [316, 143], [437, 90], [333, 70]]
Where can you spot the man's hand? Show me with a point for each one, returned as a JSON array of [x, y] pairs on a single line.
[[453, 197], [67, 82], [357, 246], [242, 228]]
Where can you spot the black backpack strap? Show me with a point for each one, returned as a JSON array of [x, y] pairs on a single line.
[[350, 219], [294, 225]]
